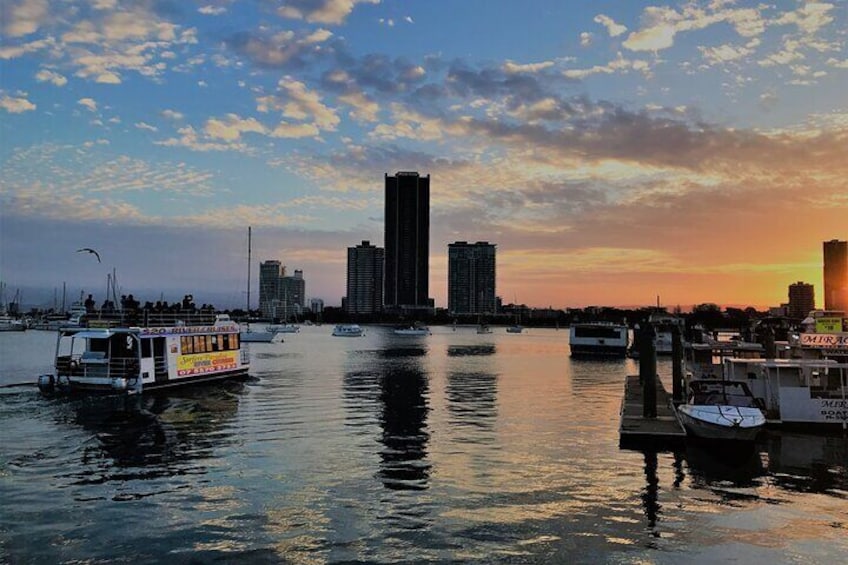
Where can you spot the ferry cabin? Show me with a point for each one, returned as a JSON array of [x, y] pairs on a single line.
[[136, 359], [598, 339]]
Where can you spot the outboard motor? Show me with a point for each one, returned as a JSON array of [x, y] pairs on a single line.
[[46, 384]]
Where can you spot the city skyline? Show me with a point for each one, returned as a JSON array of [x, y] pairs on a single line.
[[615, 151]]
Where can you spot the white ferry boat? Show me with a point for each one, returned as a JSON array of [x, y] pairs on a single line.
[[664, 325], [412, 330], [604, 339], [348, 330], [134, 359], [283, 328]]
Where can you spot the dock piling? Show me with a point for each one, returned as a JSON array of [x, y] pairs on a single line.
[[677, 365], [648, 370]]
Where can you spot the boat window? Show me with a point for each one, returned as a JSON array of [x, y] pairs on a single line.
[[234, 341], [186, 345], [580, 331], [216, 343], [147, 348], [199, 344]]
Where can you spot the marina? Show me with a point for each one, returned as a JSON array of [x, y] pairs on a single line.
[[460, 447]]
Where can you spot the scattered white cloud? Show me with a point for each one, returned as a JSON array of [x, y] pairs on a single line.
[[613, 28], [618, 65], [46, 75], [16, 104], [172, 115], [231, 127], [511, 67], [146, 126], [212, 10], [321, 11], [24, 17], [88, 103], [408, 19], [585, 39]]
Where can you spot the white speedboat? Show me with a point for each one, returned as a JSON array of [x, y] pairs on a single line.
[[721, 410], [484, 329], [516, 329], [348, 330], [412, 331]]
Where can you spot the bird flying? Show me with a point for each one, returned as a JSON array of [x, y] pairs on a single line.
[[90, 250]]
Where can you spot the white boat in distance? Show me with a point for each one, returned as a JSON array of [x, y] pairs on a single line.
[[721, 410], [348, 330], [413, 331], [9, 324], [516, 329], [283, 328], [603, 339], [484, 329]]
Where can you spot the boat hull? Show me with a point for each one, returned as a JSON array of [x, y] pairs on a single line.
[[612, 351], [726, 423]]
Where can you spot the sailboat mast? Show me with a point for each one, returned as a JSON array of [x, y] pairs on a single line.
[[249, 235]]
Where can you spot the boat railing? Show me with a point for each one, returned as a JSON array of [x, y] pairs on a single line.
[[149, 318], [77, 365]]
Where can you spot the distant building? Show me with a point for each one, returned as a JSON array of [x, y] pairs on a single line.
[[802, 300], [407, 242], [835, 275], [471, 278], [316, 305], [280, 296], [365, 264]]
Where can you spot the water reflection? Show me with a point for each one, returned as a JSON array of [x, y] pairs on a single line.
[[807, 463], [471, 350], [472, 403], [390, 381], [153, 436]]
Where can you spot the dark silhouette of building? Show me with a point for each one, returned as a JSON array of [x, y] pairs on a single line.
[[407, 242], [471, 278], [364, 279], [280, 296], [802, 299], [835, 275]]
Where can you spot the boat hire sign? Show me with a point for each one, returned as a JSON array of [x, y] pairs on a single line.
[[828, 325], [825, 341], [202, 363]]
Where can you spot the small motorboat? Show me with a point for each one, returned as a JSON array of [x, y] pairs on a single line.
[[283, 328], [721, 410], [348, 330], [516, 329], [412, 331]]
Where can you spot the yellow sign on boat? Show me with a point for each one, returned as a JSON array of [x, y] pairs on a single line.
[[202, 363], [828, 325]]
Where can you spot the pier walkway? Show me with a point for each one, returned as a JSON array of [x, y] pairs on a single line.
[[635, 431]]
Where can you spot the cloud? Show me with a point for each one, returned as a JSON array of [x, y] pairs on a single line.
[[88, 103], [585, 39], [281, 49], [46, 75], [16, 105], [613, 28], [23, 17], [295, 101], [660, 25], [618, 65], [510, 67], [231, 127], [172, 115], [321, 11], [191, 139], [145, 126], [212, 10], [810, 17]]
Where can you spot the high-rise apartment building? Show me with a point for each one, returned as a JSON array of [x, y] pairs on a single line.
[[364, 279], [802, 299], [835, 275], [407, 242], [280, 297], [471, 278]]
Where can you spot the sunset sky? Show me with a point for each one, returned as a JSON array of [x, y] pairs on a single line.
[[614, 151]]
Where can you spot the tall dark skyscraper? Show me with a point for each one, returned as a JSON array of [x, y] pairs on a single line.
[[471, 277], [835, 275], [802, 299], [364, 279], [407, 242]]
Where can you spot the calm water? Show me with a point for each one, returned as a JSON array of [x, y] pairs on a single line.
[[454, 447]]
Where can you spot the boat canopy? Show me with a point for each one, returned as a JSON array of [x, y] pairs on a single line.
[[93, 334]]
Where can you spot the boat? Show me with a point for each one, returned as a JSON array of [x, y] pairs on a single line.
[[484, 329], [412, 330], [348, 330], [515, 329], [283, 328], [252, 336], [130, 360], [721, 410], [9, 324], [603, 339], [664, 325]]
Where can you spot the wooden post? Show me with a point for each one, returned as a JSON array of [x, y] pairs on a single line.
[[677, 365], [648, 370]]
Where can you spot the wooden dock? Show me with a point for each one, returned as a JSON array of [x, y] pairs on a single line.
[[636, 431]]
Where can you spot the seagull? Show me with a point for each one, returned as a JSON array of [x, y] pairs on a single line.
[[90, 250]]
